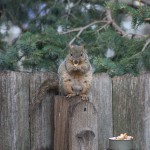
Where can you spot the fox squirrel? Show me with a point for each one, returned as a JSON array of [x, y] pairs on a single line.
[[74, 76], [75, 73]]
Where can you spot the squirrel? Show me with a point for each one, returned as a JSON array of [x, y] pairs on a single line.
[[75, 73], [74, 76]]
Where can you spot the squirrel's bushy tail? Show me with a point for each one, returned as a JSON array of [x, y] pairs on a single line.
[[52, 83]]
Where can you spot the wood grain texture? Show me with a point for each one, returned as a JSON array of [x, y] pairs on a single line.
[[14, 105], [83, 127], [42, 120], [75, 124], [61, 123], [147, 111], [63, 108], [131, 108], [101, 97]]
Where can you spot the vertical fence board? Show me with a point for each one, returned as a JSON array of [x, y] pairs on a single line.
[[42, 121], [61, 124], [147, 112], [130, 108], [83, 127], [63, 109], [14, 105], [101, 97], [122, 103]]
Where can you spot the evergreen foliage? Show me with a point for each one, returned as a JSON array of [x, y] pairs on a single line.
[[42, 46]]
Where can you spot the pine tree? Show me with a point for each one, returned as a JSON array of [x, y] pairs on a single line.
[[49, 26]]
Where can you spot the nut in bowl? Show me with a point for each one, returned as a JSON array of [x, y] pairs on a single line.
[[121, 142], [123, 137]]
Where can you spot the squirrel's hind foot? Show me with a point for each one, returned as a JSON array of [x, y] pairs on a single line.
[[70, 95], [84, 97]]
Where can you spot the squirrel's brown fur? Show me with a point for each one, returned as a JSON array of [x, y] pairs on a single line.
[[75, 73], [74, 76]]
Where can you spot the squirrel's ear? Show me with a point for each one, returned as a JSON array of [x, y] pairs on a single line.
[[82, 46], [70, 46]]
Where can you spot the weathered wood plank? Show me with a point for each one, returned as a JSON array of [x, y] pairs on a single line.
[[75, 120], [61, 123], [63, 108], [14, 105], [101, 96], [147, 111], [131, 108], [42, 121], [83, 127], [122, 99]]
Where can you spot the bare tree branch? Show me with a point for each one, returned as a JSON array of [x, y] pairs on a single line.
[[113, 23], [105, 25], [72, 30], [108, 22], [77, 36], [139, 53], [118, 29], [85, 27], [82, 29], [70, 8], [147, 2], [145, 45], [143, 49], [136, 36]]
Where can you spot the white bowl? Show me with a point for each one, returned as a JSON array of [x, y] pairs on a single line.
[[120, 144]]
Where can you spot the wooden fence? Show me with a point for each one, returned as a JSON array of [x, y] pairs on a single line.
[[122, 103]]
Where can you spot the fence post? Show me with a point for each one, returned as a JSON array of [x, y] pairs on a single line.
[[75, 124]]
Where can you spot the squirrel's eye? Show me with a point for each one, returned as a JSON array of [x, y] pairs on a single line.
[[81, 54], [71, 54]]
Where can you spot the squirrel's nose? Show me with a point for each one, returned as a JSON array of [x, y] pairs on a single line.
[[77, 93], [75, 61]]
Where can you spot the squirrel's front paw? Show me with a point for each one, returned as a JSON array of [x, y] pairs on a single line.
[[70, 95], [84, 97], [78, 67], [75, 68]]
